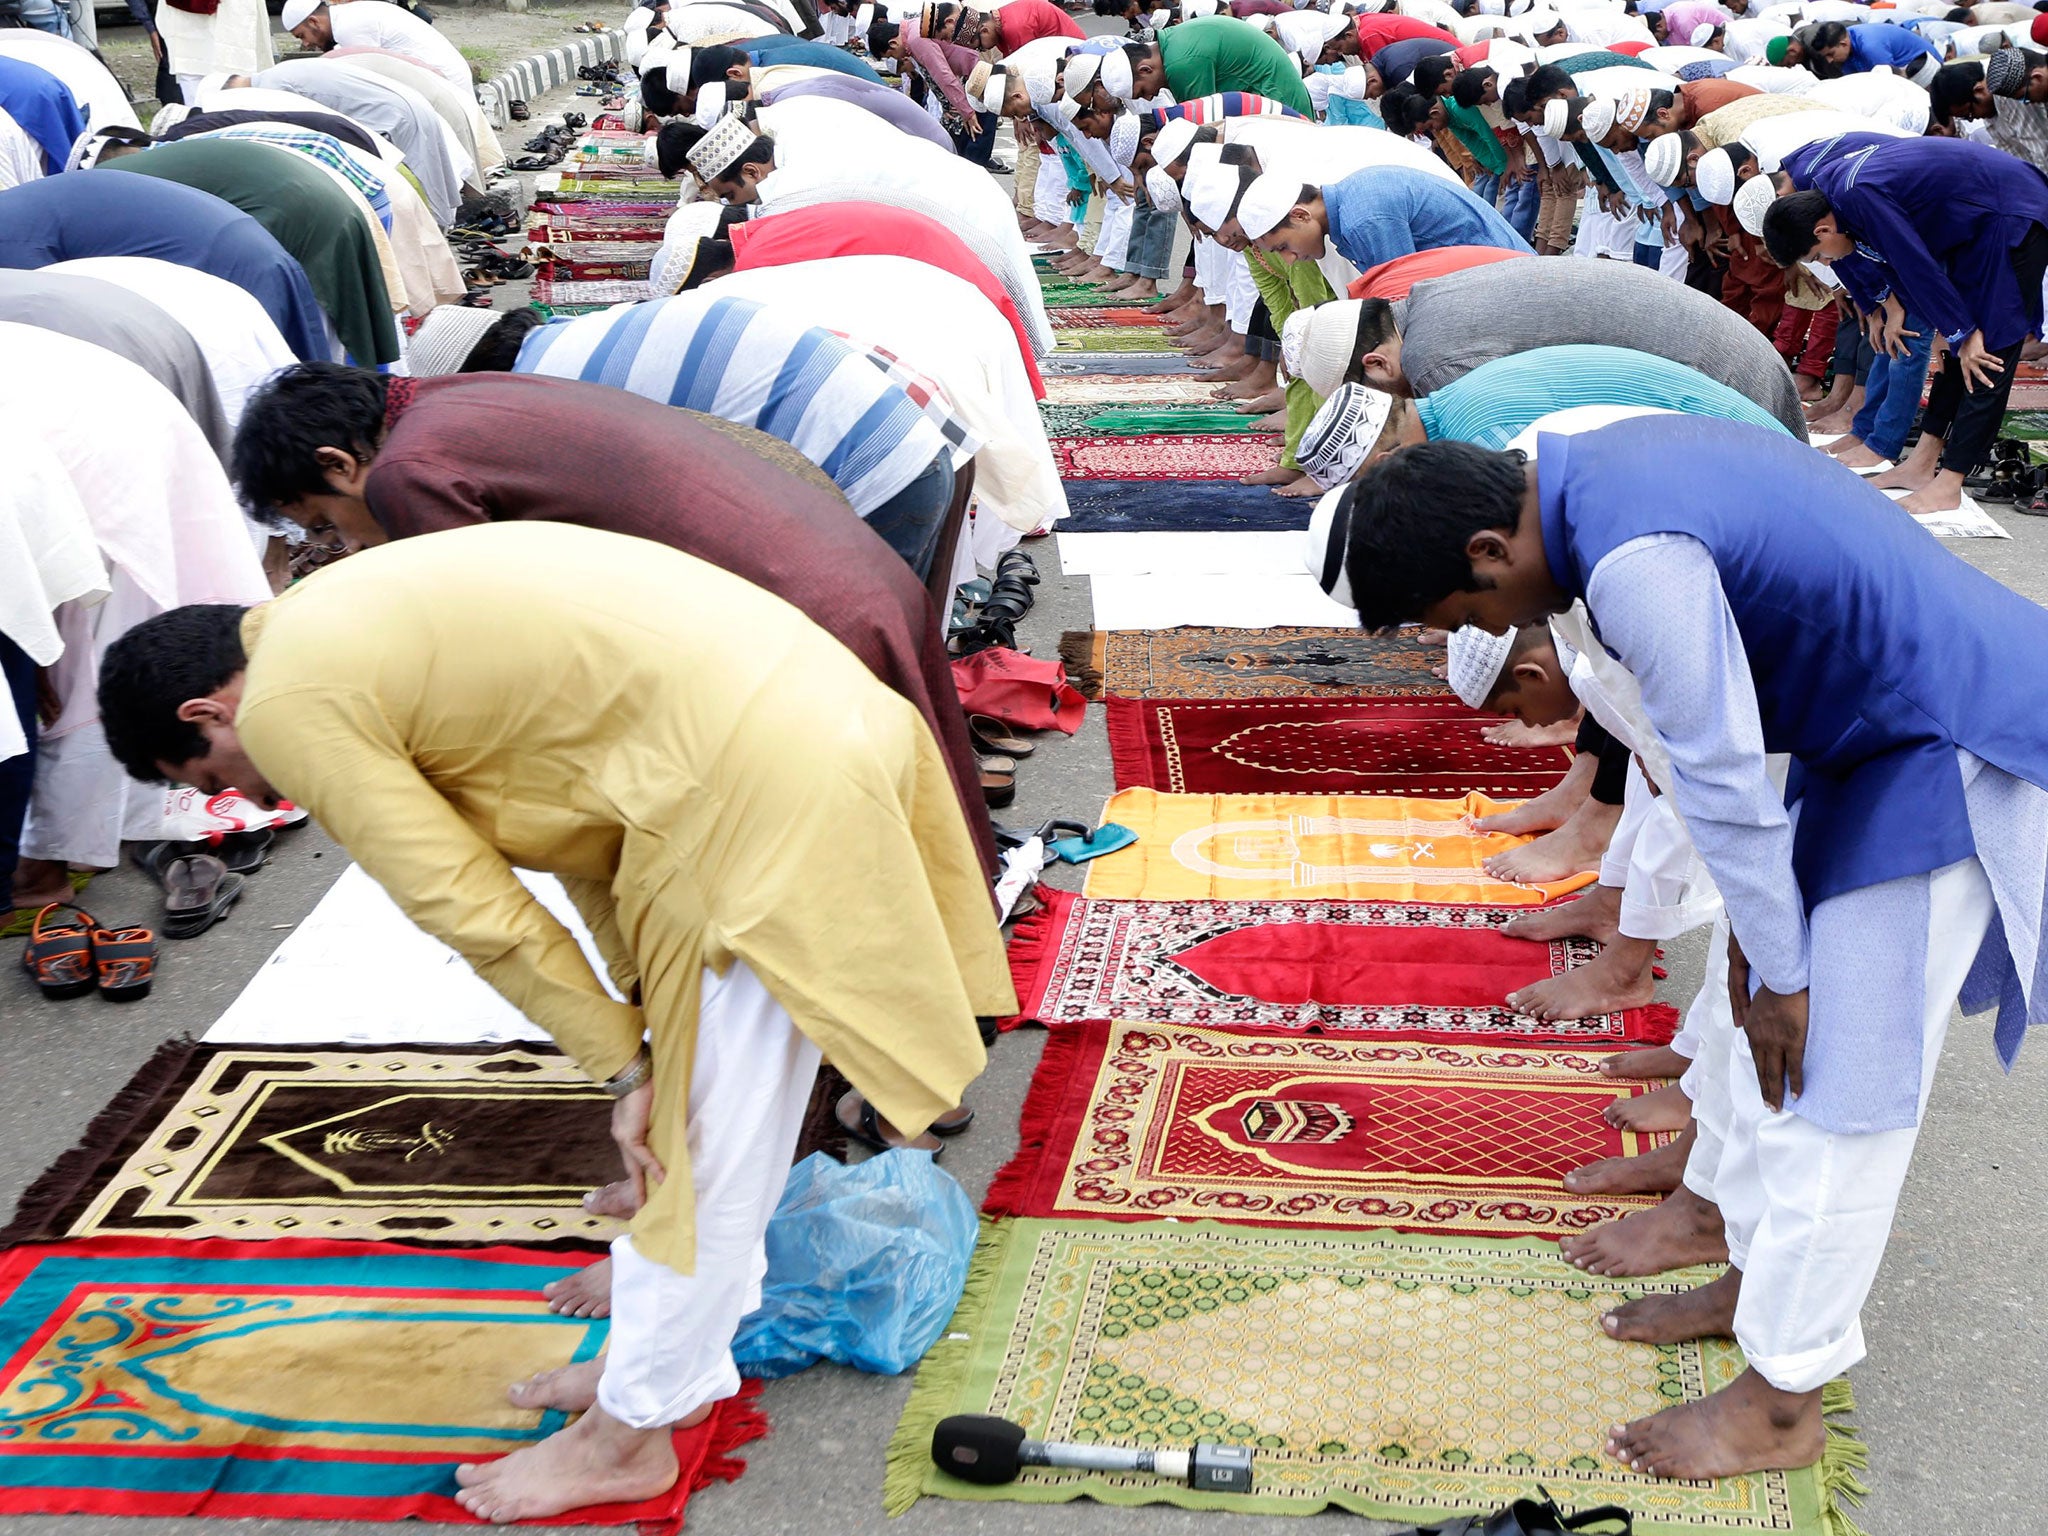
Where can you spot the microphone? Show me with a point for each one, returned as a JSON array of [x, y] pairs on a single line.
[[981, 1448]]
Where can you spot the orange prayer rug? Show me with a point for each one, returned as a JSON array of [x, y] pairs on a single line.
[[1139, 1122], [1289, 847]]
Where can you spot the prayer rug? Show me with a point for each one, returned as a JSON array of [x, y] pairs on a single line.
[[1289, 847], [449, 1145], [1108, 338], [331, 1381], [1143, 1122], [1426, 746], [569, 293], [1402, 1378], [1176, 420], [1056, 292], [2029, 425], [1166, 458], [1106, 319], [1246, 663], [1194, 506], [1414, 970], [1129, 365]]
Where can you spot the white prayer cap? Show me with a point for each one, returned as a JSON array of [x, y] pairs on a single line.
[[1193, 9], [1157, 19], [675, 67], [863, 19], [1041, 87], [1352, 84], [1476, 658], [1210, 192], [1535, 23], [1318, 82], [1664, 159], [1753, 200], [446, 337], [1123, 140], [675, 261], [994, 90], [1266, 202], [167, 117], [710, 103], [1203, 156], [1263, 21], [1114, 74], [1597, 118], [1172, 141], [1493, 7], [1301, 33], [1162, 190], [296, 11], [713, 155], [87, 148], [1329, 540], [1713, 175], [1342, 433], [1065, 110], [1319, 344], [1335, 24], [1080, 73], [1557, 116]]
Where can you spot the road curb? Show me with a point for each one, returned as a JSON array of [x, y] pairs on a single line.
[[537, 74]]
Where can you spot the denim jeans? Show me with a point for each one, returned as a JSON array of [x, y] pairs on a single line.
[[909, 521], [1891, 394], [1518, 205], [1151, 246], [1486, 187]]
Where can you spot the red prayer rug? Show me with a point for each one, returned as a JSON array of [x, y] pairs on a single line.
[[292, 1380], [1422, 747], [1139, 1122], [1409, 969], [1165, 458]]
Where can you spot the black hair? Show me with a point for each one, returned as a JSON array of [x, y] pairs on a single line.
[[1238, 154], [1821, 35], [153, 669], [1412, 512], [1789, 225], [1212, 133], [498, 349], [1137, 53], [1960, 14], [1547, 82], [1112, 7], [673, 144], [760, 152], [1405, 109], [1469, 89], [1660, 101], [296, 412], [881, 37], [656, 97], [1428, 75], [1375, 329], [1952, 85], [713, 258], [709, 64], [1514, 96]]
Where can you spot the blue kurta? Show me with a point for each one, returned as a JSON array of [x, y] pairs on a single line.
[[808, 52], [1944, 216], [1879, 42], [1386, 211], [44, 107]]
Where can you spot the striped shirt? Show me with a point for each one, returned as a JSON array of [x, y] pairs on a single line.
[[323, 148], [1221, 104], [1496, 400], [737, 359]]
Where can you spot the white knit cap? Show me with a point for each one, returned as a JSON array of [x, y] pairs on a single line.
[[713, 155], [1301, 33], [1557, 116], [1753, 200], [1080, 74], [1597, 118], [690, 223], [87, 148], [446, 337], [1329, 539], [1114, 74], [1318, 344], [710, 104], [1162, 190], [1266, 202], [1664, 159], [1476, 658], [1209, 193], [1341, 434], [296, 11], [1713, 175], [1173, 140], [1123, 140]]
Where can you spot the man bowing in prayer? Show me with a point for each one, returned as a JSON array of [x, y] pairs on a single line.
[[1769, 601], [724, 789]]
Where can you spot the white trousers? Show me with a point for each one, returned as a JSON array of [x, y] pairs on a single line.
[[1807, 1210], [1240, 293], [670, 1350], [1049, 192], [1665, 887], [1210, 274], [1113, 239]]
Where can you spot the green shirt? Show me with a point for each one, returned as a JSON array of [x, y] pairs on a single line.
[[1476, 136], [1220, 53]]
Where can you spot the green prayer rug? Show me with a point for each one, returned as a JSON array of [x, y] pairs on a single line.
[[1402, 1378], [1148, 421], [1061, 294], [1110, 338]]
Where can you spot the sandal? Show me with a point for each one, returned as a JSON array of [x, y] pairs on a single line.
[[198, 892], [868, 1131], [990, 735], [518, 111], [60, 957], [126, 961], [1526, 1517], [998, 789]]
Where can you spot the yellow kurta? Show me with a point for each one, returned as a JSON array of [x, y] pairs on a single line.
[[714, 776], [1724, 125]]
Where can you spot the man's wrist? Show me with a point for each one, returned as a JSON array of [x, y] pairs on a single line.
[[631, 1077]]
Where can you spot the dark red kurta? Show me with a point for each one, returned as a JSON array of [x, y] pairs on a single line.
[[498, 447]]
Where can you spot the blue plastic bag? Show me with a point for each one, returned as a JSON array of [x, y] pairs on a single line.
[[865, 1266]]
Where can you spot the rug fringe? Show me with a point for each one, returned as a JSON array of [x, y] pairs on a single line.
[[1843, 1463], [1033, 939], [1131, 734], [740, 1422], [1080, 654], [1660, 1024], [44, 1200], [1038, 1121], [936, 1392]]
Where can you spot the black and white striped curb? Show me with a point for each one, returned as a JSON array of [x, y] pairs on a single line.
[[537, 74]]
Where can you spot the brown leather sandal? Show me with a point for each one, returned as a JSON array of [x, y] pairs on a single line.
[[59, 957], [126, 961]]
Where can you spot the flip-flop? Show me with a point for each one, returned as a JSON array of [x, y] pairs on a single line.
[[198, 892], [991, 735]]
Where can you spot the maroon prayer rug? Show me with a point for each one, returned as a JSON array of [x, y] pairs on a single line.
[[1424, 747]]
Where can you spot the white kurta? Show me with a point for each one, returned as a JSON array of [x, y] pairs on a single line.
[[21, 158], [48, 557], [379, 24], [455, 107], [235, 38]]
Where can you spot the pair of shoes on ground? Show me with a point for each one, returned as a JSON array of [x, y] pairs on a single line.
[[1001, 604], [997, 749], [69, 958]]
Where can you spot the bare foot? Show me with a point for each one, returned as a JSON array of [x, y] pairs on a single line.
[[1747, 1426], [1180, 298], [1704, 1312], [1553, 808], [1857, 455], [1274, 476], [1258, 405], [1277, 422], [1513, 733], [1847, 443], [1572, 848], [1681, 1230], [1617, 978], [596, 1460], [1944, 493], [614, 1199], [1661, 1109], [571, 1389], [1143, 288], [1591, 916], [1811, 390], [38, 882], [1655, 1172], [1651, 1061], [1304, 487], [587, 1293], [1909, 476], [1245, 389], [1835, 422]]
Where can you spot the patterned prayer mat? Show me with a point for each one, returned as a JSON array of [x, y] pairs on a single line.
[[1106, 318], [334, 1381], [1413, 970], [1286, 847], [1057, 292], [1166, 458], [1139, 1122], [1403, 1378], [1422, 746], [571, 293], [1190, 506], [1125, 366], [1107, 338], [1142, 421], [1198, 663]]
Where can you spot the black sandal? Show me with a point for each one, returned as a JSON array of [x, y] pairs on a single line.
[[869, 1131], [1526, 1517]]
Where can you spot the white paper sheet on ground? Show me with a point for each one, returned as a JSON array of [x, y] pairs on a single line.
[[1874, 469], [1227, 602], [357, 971], [1183, 554], [1969, 521]]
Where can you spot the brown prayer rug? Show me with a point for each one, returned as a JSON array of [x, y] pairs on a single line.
[[1203, 663]]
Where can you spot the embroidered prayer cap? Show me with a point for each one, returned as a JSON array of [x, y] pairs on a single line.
[[1211, 193], [1319, 344], [1752, 201], [167, 117], [1266, 202], [296, 11], [1557, 117], [1713, 174], [1596, 118], [1123, 140], [677, 260], [1342, 433], [2005, 72], [1476, 658], [446, 337], [1664, 159], [1041, 87], [713, 155], [1776, 49], [1162, 190], [1080, 74], [1114, 74], [1173, 141], [1632, 110], [1329, 541], [710, 104]]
